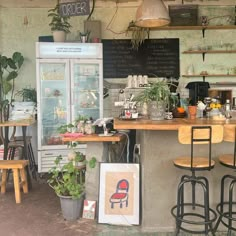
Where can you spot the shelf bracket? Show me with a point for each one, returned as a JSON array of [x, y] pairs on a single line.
[[203, 56], [203, 32]]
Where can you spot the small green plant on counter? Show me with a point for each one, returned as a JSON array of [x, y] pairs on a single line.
[[159, 91], [65, 178], [66, 128], [72, 126]]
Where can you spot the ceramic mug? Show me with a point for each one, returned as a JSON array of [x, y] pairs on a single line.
[[169, 116]]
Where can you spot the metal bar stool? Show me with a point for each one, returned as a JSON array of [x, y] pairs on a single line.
[[17, 142], [225, 208], [195, 216]]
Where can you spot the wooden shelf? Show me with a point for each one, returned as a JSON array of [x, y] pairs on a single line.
[[204, 76], [211, 75], [197, 27], [204, 52], [224, 84], [208, 51]]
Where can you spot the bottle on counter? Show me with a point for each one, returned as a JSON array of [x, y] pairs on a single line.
[[88, 127], [227, 109], [81, 127]]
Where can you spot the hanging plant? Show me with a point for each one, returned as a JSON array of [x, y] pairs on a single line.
[[138, 35]]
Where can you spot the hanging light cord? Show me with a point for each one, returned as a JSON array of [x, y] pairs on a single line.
[[91, 10], [112, 19]]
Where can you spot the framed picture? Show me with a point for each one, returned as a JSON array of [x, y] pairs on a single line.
[[119, 194], [89, 209]]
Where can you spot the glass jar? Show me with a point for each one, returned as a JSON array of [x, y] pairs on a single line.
[[88, 127], [81, 126]]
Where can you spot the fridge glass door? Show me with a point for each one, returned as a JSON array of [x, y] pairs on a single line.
[[86, 84], [53, 101]]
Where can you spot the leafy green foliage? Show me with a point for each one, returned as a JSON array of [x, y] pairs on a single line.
[[9, 68], [28, 94], [65, 179], [159, 91], [58, 22]]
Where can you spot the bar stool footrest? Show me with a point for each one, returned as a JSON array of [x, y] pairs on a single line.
[[196, 215], [225, 215]]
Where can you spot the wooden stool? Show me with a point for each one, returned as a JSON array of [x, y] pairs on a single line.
[[15, 166], [195, 212]]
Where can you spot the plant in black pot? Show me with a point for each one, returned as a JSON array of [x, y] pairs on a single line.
[[68, 183], [60, 25]]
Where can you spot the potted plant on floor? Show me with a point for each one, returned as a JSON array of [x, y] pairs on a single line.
[[157, 97], [68, 183], [60, 25]]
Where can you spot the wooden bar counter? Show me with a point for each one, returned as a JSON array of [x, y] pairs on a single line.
[[159, 146]]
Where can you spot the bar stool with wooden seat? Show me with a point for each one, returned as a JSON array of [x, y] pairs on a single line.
[[195, 216], [225, 208]]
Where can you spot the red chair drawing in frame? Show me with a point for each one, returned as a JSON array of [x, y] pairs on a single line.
[[121, 195]]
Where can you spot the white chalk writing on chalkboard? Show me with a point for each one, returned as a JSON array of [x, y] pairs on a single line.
[[155, 56], [78, 8]]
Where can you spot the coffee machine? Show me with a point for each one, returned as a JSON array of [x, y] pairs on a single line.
[[198, 90]]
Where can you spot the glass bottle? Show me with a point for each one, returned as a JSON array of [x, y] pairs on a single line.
[[227, 109], [81, 127], [88, 127]]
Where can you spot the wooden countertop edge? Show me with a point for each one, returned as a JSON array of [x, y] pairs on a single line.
[[95, 138], [24, 122], [174, 124]]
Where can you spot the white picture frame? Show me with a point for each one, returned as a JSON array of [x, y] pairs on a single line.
[[119, 194]]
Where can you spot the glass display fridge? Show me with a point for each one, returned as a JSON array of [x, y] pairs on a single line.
[[69, 85]]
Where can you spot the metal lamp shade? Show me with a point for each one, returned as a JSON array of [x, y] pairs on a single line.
[[152, 13]]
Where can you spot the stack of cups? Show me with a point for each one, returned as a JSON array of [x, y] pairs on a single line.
[[137, 81]]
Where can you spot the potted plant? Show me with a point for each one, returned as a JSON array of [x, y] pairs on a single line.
[[9, 68], [27, 104], [157, 97], [68, 184], [138, 35], [60, 25], [27, 95]]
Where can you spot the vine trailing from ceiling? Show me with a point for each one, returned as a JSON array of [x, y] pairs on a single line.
[[138, 35]]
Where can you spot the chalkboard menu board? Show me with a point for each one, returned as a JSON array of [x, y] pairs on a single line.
[[155, 57]]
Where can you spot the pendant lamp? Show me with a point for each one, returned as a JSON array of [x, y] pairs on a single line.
[[152, 13]]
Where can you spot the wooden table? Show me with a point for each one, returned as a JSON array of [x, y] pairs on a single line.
[[95, 138], [98, 147], [19, 123]]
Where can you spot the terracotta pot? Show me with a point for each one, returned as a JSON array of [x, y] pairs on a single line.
[[192, 111], [59, 36]]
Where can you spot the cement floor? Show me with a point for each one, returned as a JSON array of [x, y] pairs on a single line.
[[39, 215]]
